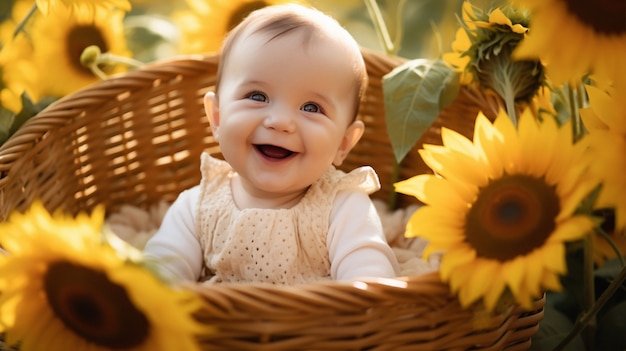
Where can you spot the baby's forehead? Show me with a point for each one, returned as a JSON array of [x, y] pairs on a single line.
[[309, 38], [309, 32]]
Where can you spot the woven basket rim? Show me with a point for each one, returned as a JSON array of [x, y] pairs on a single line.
[[45, 140]]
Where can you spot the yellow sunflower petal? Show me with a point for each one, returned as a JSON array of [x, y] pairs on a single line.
[[536, 162], [30, 310], [539, 142], [438, 239], [456, 141], [515, 270], [456, 59], [205, 26], [560, 165], [476, 287], [413, 186], [53, 39], [573, 228], [462, 256], [458, 279], [534, 273], [82, 7], [513, 147], [432, 190], [179, 320], [603, 107], [425, 218], [620, 210], [468, 14], [525, 297], [531, 138], [553, 258], [497, 285], [551, 281], [592, 50], [453, 165], [491, 142], [575, 197], [461, 42], [498, 17]]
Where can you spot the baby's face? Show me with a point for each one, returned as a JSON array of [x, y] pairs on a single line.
[[285, 110]]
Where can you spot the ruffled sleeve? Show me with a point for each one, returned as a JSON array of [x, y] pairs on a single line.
[[363, 178], [212, 167]]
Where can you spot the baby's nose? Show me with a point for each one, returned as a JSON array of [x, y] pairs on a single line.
[[280, 120]]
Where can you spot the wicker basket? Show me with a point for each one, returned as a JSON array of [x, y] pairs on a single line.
[[137, 138]]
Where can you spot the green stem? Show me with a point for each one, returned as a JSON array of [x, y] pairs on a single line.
[[98, 72], [398, 28], [110, 58], [20, 26], [590, 315], [381, 27], [590, 293], [510, 108], [395, 175], [574, 97], [587, 323], [613, 246], [391, 48]]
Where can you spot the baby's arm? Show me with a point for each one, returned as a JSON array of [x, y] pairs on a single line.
[[356, 242], [175, 247]]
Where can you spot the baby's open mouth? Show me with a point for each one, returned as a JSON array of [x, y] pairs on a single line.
[[272, 151]]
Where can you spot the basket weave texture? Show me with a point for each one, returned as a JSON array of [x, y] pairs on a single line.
[[136, 139]]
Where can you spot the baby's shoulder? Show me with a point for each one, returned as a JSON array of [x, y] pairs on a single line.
[[212, 167], [362, 179]]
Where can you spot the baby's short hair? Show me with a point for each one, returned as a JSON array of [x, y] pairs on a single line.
[[279, 20]]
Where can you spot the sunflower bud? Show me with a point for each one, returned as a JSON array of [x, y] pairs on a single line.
[[517, 80], [90, 55]]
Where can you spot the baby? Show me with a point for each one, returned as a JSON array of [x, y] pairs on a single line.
[[276, 209]]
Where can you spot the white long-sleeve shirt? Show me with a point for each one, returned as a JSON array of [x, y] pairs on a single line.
[[355, 242]]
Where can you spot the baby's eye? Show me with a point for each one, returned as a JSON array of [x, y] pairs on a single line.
[[311, 107], [257, 96]]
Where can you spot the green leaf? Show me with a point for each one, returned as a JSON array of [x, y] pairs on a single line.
[[415, 93], [28, 110], [7, 119], [604, 276], [11, 122], [609, 270], [552, 330], [611, 327]]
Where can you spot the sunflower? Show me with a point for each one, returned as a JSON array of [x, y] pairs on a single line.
[[577, 37], [605, 119], [501, 207], [13, 69], [58, 41], [67, 287], [482, 54], [204, 27], [83, 8]]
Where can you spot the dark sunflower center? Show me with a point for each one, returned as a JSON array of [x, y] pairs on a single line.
[[244, 10], [92, 306], [512, 216], [80, 37], [604, 16]]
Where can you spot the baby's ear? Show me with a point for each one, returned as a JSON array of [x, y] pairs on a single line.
[[350, 138], [211, 108]]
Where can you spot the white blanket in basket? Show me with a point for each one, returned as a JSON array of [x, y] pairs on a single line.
[[136, 225]]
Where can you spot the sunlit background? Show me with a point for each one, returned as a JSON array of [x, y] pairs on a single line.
[[40, 54]]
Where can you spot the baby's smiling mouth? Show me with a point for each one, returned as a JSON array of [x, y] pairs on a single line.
[[274, 152]]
